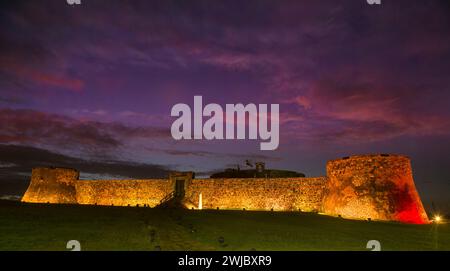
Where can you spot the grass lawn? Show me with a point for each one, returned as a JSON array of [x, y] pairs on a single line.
[[49, 227]]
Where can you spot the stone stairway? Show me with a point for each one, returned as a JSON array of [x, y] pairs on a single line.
[[171, 201]]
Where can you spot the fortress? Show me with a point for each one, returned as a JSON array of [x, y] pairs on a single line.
[[369, 187]]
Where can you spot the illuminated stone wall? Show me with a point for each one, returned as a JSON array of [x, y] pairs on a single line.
[[378, 187], [61, 185], [283, 194], [52, 185], [123, 192]]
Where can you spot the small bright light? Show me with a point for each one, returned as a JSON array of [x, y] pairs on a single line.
[[200, 202], [437, 219]]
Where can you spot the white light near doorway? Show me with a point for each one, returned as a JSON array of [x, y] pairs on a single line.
[[200, 201]]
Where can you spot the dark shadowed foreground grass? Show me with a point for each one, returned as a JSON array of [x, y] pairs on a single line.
[[49, 227]]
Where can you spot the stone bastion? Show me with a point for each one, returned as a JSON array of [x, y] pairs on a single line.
[[369, 187]]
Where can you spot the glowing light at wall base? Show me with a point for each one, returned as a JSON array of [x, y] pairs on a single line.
[[200, 201]]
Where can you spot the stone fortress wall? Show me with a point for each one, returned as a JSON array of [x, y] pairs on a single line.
[[279, 194], [380, 187], [53, 185], [377, 187], [123, 192]]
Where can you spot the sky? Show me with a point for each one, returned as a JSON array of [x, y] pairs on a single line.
[[91, 86]]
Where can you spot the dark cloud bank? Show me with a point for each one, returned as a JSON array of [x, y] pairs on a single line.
[[16, 163]]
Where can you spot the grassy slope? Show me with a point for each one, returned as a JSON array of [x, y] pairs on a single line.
[[49, 227]]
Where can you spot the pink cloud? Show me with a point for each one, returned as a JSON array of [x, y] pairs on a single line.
[[361, 110], [26, 72], [34, 127]]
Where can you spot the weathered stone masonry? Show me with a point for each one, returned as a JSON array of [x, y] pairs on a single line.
[[281, 194], [377, 187], [123, 192], [56, 185]]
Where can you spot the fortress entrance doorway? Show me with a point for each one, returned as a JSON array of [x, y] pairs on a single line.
[[179, 188], [180, 180]]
